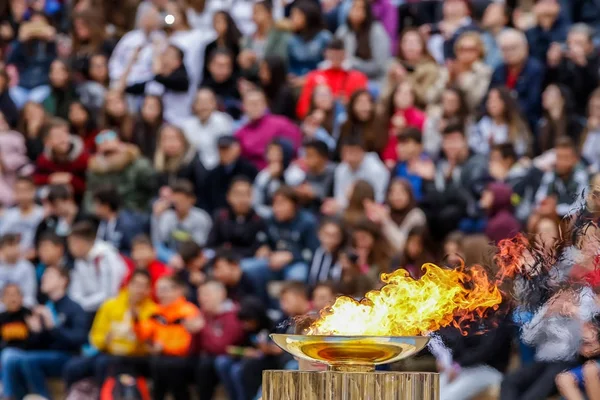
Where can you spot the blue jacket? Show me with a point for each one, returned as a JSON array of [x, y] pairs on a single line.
[[416, 182], [128, 225], [540, 40], [70, 331], [32, 60], [528, 88], [303, 56], [297, 236]]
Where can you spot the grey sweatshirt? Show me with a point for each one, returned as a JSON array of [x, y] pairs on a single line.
[[167, 228], [371, 170], [23, 274], [379, 42]]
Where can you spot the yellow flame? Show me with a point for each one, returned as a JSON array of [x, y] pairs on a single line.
[[408, 307]]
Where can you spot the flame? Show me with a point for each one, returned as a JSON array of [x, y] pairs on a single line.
[[511, 256], [408, 307]]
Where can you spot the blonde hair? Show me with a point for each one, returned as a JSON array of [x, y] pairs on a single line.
[[475, 36], [164, 163]]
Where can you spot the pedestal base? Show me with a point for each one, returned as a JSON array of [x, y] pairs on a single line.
[[335, 385]]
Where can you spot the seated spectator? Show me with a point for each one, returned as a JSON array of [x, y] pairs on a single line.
[[112, 333], [353, 281], [92, 91], [222, 80], [272, 78], [318, 184], [32, 125], [221, 329], [412, 164], [324, 118], [366, 42], [372, 248], [278, 172], [64, 160], [24, 218], [262, 128], [231, 166], [191, 265], [7, 106], [122, 166], [13, 152], [175, 159], [228, 38], [227, 270], [325, 264], [147, 125], [143, 256], [323, 295], [56, 340], [17, 270], [520, 73], [575, 67], [89, 38], [115, 116], [206, 126], [62, 90], [51, 251], [294, 299], [502, 123], [356, 164], [359, 195], [31, 54], [495, 19], [14, 331], [496, 201], [238, 227], [117, 226], [176, 220], [416, 252], [363, 120], [308, 42], [552, 27], [566, 181], [83, 125], [291, 243], [99, 268], [170, 341], [590, 138], [342, 80], [400, 114]]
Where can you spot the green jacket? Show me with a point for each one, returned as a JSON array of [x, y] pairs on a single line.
[[59, 101]]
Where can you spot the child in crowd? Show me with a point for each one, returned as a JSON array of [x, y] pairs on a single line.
[[144, 258], [318, 184], [227, 270], [15, 269], [294, 299], [14, 331], [353, 282], [323, 295], [193, 273], [412, 164], [325, 263]]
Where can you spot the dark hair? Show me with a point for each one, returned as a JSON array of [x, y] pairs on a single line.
[[233, 34], [278, 72], [226, 255], [253, 309], [175, 280], [189, 250], [59, 192], [220, 51], [10, 239], [294, 287], [183, 186], [463, 108], [565, 142], [13, 285], [108, 196], [410, 134], [62, 271], [141, 240], [326, 284], [85, 230], [339, 224], [336, 44], [90, 124], [179, 52], [354, 140], [51, 124], [239, 179], [140, 272], [506, 150], [313, 16], [373, 134], [319, 146], [52, 238], [454, 128], [398, 215], [363, 32], [287, 192], [267, 4]]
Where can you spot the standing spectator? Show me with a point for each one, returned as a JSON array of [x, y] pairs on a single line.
[[228, 38], [62, 90], [24, 218], [13, 153], [272, 76], [223, 81], [83, 125], [15, 269], [122, 166], [64, 160], [502, 224], [175, 159], [366, 42], [146, 126], [206, 126], [32, 123], [522, 74], [342, 80], [552, 27], [590, 139], [576, 66], [262, 128], [307, 44], [117, 226], [55, 338]]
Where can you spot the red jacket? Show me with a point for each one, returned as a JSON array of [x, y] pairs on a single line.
[[156, 269], [220, 331], [340, 81], [76, 164]]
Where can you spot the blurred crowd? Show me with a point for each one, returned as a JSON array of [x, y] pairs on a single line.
[[177, 177]]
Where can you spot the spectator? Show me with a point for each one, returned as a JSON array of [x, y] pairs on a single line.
[[223, 81], [566, 181], [98, 271], [591, 134], [520, 73], [308, 42], [192, 267], [89, 38], [230, 166], [13, 153], [324, 117], [24, 218], [15, 269], [272, 77], [170, 342], [278, 172], [14, 332], [7, 106], [206, 126], [228, 38], [176, 220], [362, 121], [176, 159], [341, 79], [495, 19], [366, 42], [353, 282], [227, 271], [552, 27], [294, 299], [558, 118], [372, 249], [147, 125], [32, 123], [83, 125], [237, 227], [143, 256], [323, 295], [501, 224], [221, 330], [412, 164], [122, 166], [115, 115], [318, 184], [501, 123], [267, 42], [56, 340], [576, 65], [112, 332], [117, 226], [262, 128], [62, 90], [92, 91], [325, 264], [415, 252], [32, 53], [360, 193]]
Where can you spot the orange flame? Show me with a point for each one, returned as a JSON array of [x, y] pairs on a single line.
[[512, 256], [408, 307]]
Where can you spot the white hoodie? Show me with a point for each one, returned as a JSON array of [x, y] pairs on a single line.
[[98, 277], [371, 170]]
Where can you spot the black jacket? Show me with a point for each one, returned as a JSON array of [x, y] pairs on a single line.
[[176, 81], [14, 332], [243, 235], [9, 109], [192, 170], [219, 179], [228, 96]]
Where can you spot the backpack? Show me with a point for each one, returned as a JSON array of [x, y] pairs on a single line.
[[125, 387]]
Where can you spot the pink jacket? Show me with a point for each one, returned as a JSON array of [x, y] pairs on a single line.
[[13, 160]]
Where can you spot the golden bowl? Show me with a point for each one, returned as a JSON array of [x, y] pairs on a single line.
[[350, 352]]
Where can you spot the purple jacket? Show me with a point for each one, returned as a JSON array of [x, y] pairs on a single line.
[[256, 135], [502, 223], [387, 14]]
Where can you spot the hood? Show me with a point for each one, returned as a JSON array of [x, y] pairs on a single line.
[[76, 149], [101, 164], [502, 197]]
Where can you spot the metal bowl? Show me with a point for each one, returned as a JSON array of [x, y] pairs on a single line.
[[362, 352]]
